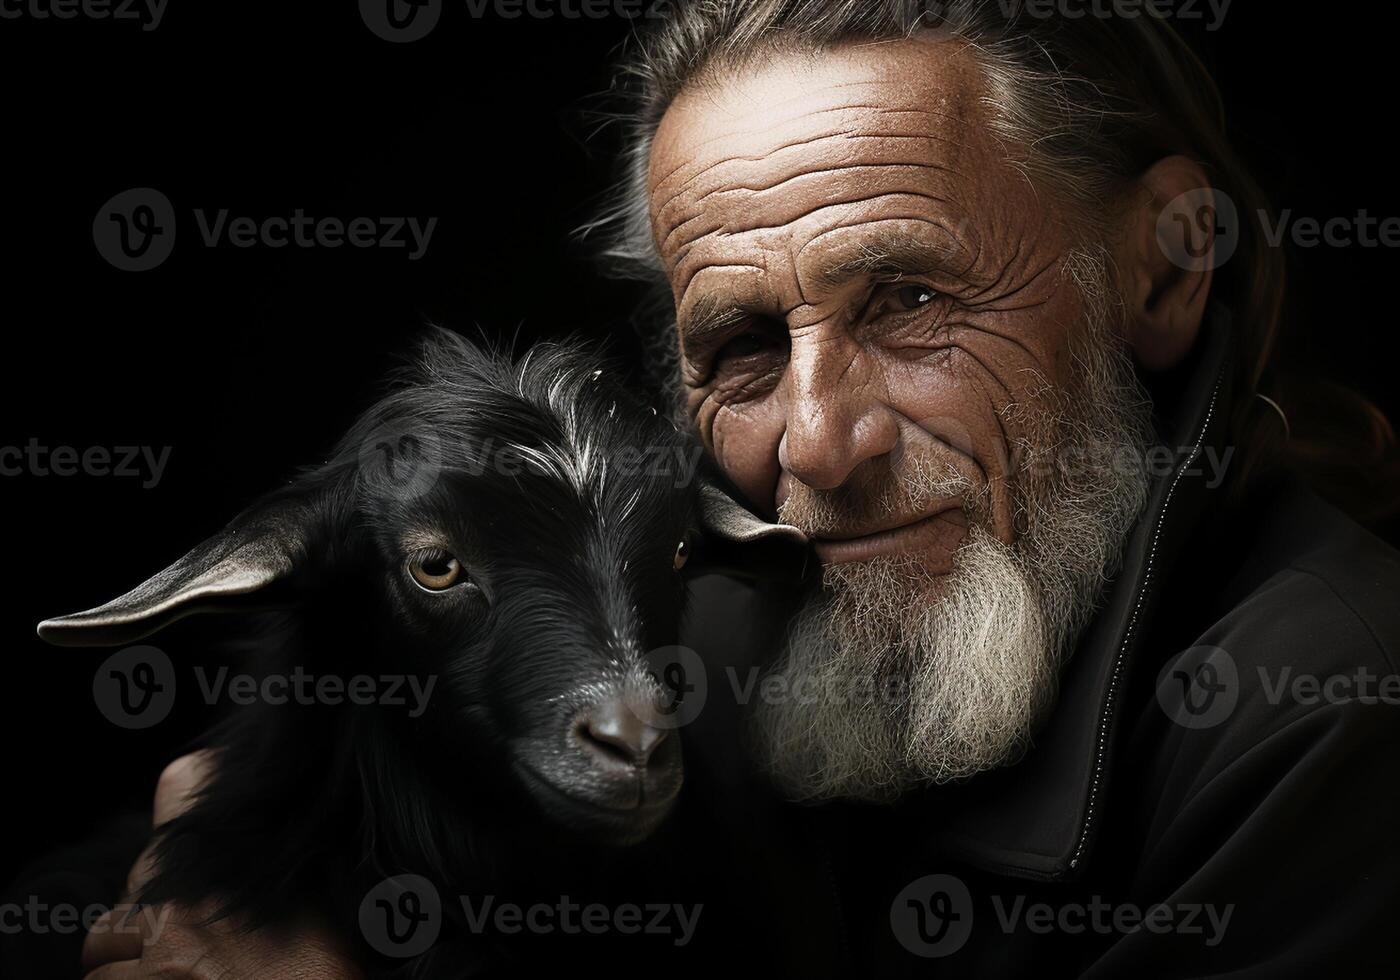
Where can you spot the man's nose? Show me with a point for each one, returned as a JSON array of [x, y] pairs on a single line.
[[835, 421]]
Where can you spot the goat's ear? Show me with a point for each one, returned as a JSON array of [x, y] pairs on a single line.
[[262, 546], [739, 542], [722, 515]]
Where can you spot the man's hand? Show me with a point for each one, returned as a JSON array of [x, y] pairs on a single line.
[[167, 942]]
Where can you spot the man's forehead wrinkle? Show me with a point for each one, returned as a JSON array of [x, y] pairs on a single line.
[[695, 162], [785, 189], [834, 168], [769, 155], [795, 86], [915, 244], [710, 225], [757, 97], [693, 258], [766, 126], [756, 174], [808, 212]]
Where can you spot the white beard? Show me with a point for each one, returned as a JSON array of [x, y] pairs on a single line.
[[898, 678]]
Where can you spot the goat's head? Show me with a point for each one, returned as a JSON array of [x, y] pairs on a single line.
[[516, 529]]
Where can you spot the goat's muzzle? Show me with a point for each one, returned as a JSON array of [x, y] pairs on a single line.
[[617, 773]]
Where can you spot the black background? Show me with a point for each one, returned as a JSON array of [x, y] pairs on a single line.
[[248, 362]]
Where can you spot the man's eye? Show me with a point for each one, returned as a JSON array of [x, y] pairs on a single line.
[[744, 345], [913, 296]]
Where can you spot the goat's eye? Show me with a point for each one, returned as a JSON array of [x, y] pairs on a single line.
[[435, 570], [682, 555]]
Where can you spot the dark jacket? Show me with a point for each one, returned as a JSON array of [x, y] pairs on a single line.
[[1217, 792]]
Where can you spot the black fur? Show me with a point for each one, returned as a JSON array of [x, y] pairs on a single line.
[[314, 804]]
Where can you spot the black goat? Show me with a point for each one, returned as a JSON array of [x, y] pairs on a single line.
[[511, 532]]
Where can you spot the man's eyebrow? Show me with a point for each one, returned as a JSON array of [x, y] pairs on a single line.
[[710, 317], [884, 255]]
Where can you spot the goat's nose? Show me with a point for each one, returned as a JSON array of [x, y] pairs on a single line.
[[619, 730]]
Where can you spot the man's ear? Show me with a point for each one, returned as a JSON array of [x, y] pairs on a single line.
[[260, 547], [1166, 260]]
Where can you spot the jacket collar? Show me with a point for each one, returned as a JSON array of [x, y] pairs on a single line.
[[1039, 819]]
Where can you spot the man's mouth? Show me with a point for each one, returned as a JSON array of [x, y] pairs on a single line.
[[935, 536]]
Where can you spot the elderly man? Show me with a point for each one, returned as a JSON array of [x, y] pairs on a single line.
[[954, 296]]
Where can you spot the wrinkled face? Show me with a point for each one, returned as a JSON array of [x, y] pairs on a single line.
[[540, 573], [865, 292], [893, 341]]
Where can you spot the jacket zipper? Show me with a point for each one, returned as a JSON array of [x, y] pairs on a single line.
[[1106, 718]]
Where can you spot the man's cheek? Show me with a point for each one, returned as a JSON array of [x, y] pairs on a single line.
[[744, 442], [700, 418]]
